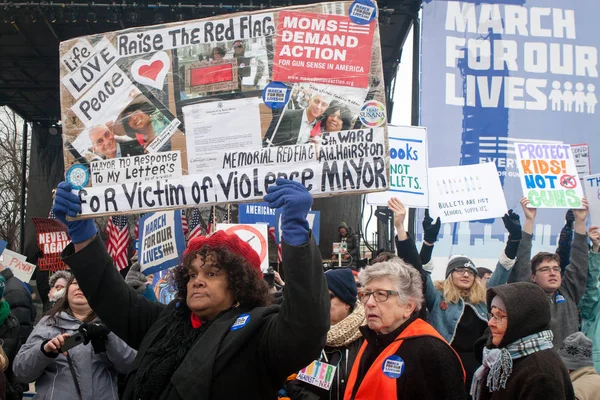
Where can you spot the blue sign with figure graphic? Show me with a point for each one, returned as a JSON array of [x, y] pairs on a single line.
[[498, 72]]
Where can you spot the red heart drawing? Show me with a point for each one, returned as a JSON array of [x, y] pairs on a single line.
[[151, 71]]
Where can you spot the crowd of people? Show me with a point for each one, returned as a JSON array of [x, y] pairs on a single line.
[[527, 329]]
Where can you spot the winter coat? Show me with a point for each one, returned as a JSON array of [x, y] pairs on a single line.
[[565, 315], [96, 373], [251, 361], [540, 375], [21, 304], [590, 307], [586, 383], [352, 247], [10, 335]]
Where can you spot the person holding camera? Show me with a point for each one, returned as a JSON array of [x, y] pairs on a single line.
[[59, 360]]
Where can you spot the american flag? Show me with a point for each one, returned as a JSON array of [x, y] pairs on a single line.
[[184, 223], [195, 229], [118, 239], [210, 226], [272, 236]]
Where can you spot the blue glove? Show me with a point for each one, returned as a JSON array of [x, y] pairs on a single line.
[[295, 202], [68, 203]]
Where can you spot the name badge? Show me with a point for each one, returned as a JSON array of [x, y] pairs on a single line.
[[318, 373], [393, 367], [241, 322]]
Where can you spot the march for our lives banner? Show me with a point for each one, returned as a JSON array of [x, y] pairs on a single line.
[[161, 243], [499, 72]]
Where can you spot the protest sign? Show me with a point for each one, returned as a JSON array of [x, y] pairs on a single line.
[[466, 193], [591, 184], [318, 373], [219, 91], [253, 213], [161, 242], [314, 223], [548, 175], [408, 168], [255, 235], [17, 264], [581, 155], [52, 238]]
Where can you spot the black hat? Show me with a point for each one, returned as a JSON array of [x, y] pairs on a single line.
[[341, 282], [460, 262]]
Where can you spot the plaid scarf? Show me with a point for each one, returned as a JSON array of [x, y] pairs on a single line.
[[497, 363]]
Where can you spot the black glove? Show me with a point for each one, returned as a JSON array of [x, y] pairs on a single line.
[[569, 219], [96, 333], [430, 230], [512, 224]]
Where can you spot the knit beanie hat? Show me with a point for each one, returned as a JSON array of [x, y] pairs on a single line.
[[2, 286], [221, 239], [343, 225], [341, 282], [498, 303], [460, 262], [576, 351]]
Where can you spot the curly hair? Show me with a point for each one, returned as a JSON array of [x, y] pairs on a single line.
[[245, 282]]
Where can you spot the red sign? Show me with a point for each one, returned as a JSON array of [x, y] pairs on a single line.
[[322, 48], [211, 74], [52, 239]]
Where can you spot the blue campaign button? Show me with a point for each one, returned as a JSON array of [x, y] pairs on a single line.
[[78, 176], [362, 12], [241, 322], [559, 298], [276, 95], [393, 367]]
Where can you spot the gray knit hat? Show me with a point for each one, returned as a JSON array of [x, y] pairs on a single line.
[[576, 351], [66, 275], [460, 262]]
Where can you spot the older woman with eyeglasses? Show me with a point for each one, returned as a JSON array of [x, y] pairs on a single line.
[[403, 357]]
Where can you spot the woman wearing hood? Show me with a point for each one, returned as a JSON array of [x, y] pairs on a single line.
[[518, 360]]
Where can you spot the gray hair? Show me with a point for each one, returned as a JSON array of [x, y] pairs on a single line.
[[405, 279], [66, 275]]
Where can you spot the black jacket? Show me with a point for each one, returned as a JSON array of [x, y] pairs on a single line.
[[407, 251], [21, 305], [252, 362], [10, 335], [343, 358], [431, 368], [352, 245], [540, 375]]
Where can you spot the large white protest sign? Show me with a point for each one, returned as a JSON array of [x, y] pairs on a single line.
[[17, 264], [256, 235], [548, 175], [591, 183], [161, 242], [466, 193], [408, 168]]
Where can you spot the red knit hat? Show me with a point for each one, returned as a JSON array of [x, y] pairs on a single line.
[[220, 239]]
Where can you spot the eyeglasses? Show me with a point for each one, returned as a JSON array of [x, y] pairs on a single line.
[[497, 319], [462, 271], [545, 270], [379, 295]]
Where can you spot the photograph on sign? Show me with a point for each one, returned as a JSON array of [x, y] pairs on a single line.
[[161, 242], [243, 98], [548, 175], [466, 193], [408, 168], [256, 235]]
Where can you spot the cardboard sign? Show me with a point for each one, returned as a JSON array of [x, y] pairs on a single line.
[[408, 168], [549, 175], [466, 193], [581, 155], [146, 168], [245, 98], [591, 183], [255, 235], [318, 373], [161, 242], [17, 264]]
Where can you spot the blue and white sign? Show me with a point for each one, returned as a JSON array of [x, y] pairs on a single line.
[[161, 242], [314, 222], [498, 72]]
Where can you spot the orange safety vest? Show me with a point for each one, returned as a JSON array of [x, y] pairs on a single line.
[[375, 385]]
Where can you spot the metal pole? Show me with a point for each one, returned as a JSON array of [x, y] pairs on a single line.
[[416, 102], [23, 187]]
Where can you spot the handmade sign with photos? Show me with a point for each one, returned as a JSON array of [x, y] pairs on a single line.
[[243, 98]]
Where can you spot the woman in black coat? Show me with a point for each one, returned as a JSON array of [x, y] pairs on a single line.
[[519, 362], [219, 339]]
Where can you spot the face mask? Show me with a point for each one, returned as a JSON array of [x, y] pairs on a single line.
[[57, 295]]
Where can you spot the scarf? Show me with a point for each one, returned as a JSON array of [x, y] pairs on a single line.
[[346, 331], [4, 311], [497, 363]]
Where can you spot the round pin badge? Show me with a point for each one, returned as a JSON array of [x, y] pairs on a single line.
[[276, 95], [362, 12], [559, 298], [393, 367], [372, 114], [78, 176]]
